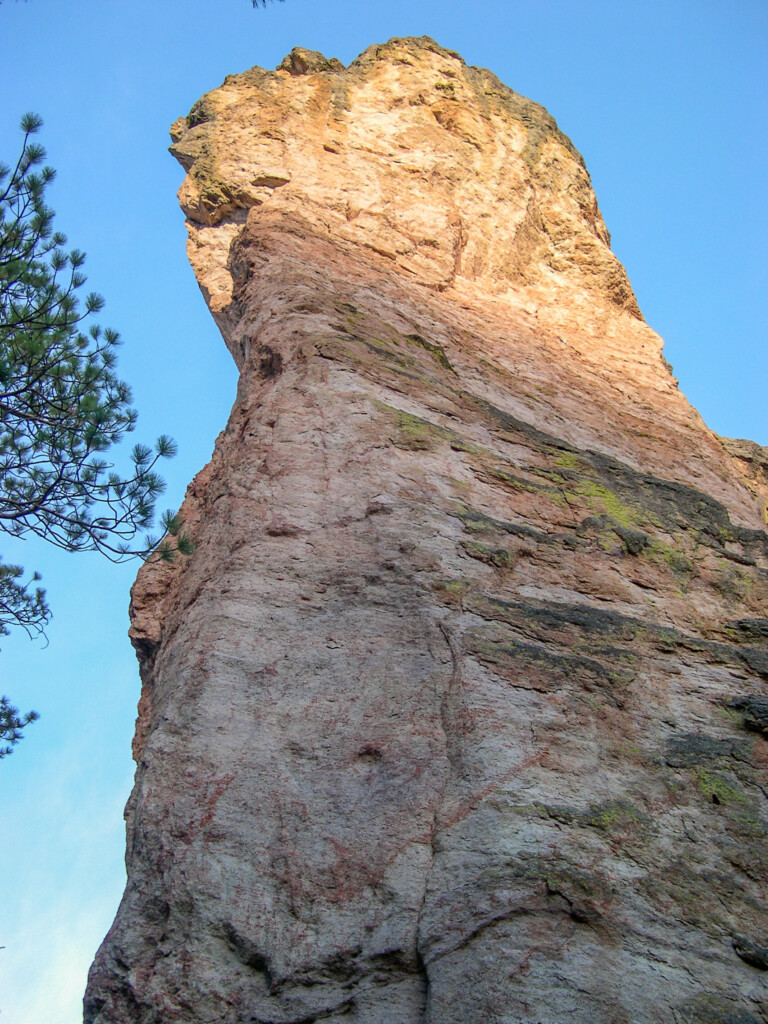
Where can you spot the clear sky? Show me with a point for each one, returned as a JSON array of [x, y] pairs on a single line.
[[666, 100]]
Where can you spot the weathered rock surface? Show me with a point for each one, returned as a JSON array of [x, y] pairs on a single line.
[[458, 711]]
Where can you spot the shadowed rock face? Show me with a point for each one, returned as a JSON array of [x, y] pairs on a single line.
[[457, 713]]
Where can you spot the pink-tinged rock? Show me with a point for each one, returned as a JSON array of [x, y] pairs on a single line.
[[457, 712]]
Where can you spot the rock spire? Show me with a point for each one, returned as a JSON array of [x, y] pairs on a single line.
[[457, 713]]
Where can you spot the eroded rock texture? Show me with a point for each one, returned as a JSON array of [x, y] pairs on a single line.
[[457, 713]]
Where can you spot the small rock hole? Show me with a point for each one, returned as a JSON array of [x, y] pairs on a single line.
[[369, 753], [270, 362]]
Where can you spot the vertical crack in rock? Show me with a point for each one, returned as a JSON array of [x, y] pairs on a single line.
[[457, 711], [447, 710]]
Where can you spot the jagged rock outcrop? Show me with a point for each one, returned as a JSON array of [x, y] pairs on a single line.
[[458, 711]]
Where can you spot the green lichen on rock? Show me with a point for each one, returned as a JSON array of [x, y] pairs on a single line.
[[666, 556], [747, 630], [549, 669], [501, 558], [617, 816], [546, 618], [718, 789], [606, 501], [634, 541], [477, 522], [638, 505], [417, 434], [436, 351], [734, 584], [452, 591]]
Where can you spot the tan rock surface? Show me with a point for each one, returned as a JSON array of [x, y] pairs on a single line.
[[457, 712]]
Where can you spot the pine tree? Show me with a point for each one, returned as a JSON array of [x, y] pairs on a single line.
[[11, 725], [62, 407]]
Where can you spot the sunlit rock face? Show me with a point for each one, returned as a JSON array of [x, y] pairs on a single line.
[[457, 712]]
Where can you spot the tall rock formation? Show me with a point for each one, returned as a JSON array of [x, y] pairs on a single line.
[[457, 712]]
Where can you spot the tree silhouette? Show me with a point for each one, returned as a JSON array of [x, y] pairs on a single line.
[[62, 407]]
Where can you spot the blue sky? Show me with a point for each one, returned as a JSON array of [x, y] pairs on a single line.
[[666, 100]]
